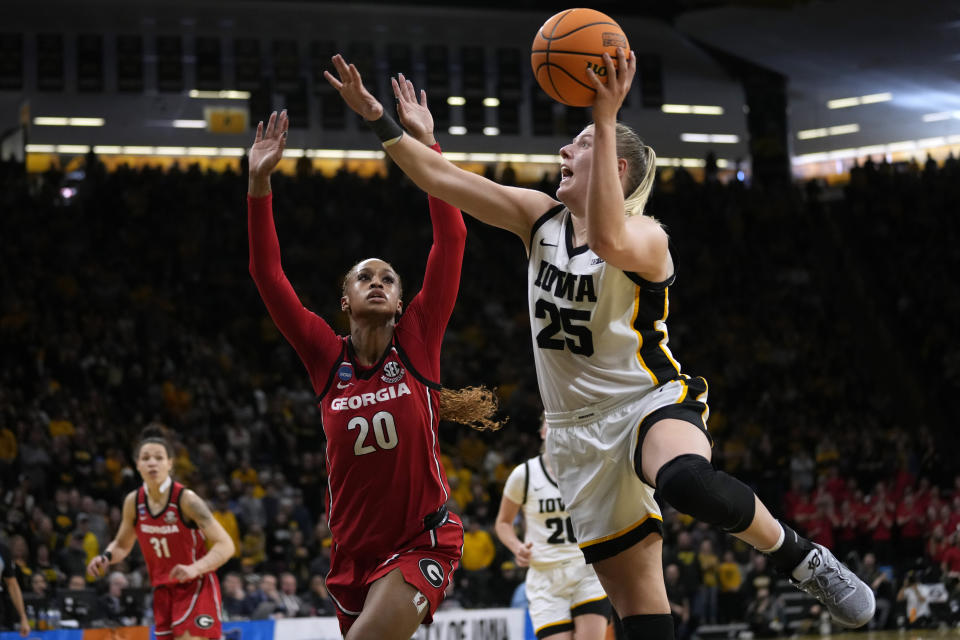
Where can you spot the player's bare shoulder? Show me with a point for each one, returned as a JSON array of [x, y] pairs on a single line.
[[194, 508]]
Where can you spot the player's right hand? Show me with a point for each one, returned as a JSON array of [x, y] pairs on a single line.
[[98, 566], [523, 555], [267, 149]]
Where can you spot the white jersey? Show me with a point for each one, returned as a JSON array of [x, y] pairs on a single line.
[[599, 333], [546, 521]]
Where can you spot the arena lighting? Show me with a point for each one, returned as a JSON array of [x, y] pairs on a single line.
[[223, 94], [491, 102], [491, 131], [843, 103], [50, 121], [73, 148], [456, 101], [457, 131], [324, 154], [838, 130], [692, 163], [189, 124], [696, 109], [716, 138], [942, 115], [876, 149]]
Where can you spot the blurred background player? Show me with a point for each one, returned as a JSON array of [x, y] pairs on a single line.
[[566, 600], [172, 525]]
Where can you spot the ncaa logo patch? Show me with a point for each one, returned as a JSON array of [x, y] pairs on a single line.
[[432, 571], [345, 372], [204, 621], [392, 372]]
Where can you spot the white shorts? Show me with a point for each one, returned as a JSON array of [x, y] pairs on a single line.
[[558, 594], [610, 506]]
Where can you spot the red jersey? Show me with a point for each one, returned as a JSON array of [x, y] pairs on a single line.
[[166, 540], [383, 454]]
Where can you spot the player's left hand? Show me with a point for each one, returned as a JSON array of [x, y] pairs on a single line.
[[350, 86], [610, 95], [24, 627], [414, 115], [184, 573]]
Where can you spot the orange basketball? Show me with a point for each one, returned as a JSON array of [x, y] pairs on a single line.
[[566, 45]]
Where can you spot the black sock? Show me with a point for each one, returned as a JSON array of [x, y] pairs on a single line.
[[792, 552], [654, 626]]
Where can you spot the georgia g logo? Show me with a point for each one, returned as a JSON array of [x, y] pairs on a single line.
[[432, 571], [203, 621]]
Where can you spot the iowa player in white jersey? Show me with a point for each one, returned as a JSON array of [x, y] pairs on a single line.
[[566, 598], [624, 421]]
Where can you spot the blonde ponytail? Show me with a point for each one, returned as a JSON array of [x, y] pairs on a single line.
[[641, 168], [637, 200]]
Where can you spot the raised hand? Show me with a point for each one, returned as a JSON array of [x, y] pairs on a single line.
[[268, 146], [414, 116], [350, 86], [610, 96]]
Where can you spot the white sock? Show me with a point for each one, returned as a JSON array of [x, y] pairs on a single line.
[[778, 543], [805, 569]]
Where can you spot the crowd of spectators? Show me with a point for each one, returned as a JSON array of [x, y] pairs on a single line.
[[820, 316]]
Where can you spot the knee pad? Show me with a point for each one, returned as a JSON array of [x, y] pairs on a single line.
[[650, 626], [691, 485]]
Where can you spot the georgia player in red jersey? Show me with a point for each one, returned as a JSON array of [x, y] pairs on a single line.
[[172, 524], [395, 545]]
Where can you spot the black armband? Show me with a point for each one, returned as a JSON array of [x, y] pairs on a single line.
[[108, 555], [386, 129]]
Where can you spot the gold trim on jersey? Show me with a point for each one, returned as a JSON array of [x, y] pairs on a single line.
[[633, 325], [683, 395], [663, 320], [552, 624], [657, 327], [580, 604], [622, 532]]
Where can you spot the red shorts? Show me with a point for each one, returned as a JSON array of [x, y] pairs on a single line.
[[191, 607], [427, 563]]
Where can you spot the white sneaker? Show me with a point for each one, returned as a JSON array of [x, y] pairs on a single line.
[[848, 599]]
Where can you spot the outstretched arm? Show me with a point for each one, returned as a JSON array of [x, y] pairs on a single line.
[[119, 548], [441, 282], [196, 510], [509, 208], [300, 327]]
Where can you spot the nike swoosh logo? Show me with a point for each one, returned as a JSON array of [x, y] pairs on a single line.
[[538, 488], [340, 385], [546, 244]]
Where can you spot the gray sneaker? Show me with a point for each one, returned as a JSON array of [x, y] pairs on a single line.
[[848, 599]]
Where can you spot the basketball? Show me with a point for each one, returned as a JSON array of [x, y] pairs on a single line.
[[567, 45]]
